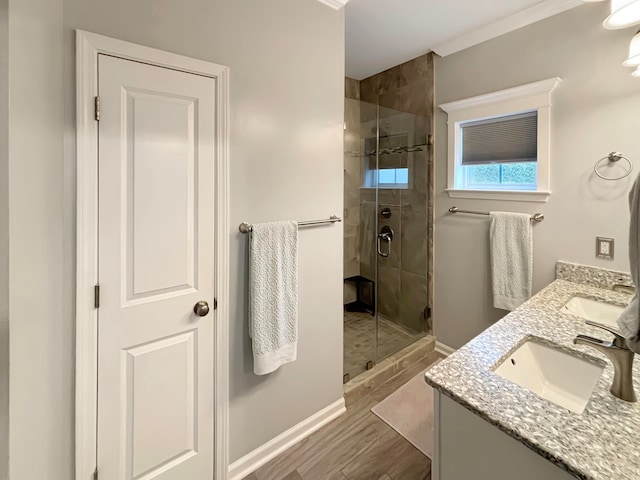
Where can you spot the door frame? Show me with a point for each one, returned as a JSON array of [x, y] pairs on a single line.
[[88, 47]]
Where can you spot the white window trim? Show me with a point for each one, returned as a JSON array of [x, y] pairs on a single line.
[[530, 97]]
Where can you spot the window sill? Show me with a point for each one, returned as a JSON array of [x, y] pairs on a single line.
[[513, 195]]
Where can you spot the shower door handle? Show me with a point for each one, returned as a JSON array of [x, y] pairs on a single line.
[[386, 234], [382, 236]]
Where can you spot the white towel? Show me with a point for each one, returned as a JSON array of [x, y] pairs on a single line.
[[273, 295], [629, 321], [511, 241]]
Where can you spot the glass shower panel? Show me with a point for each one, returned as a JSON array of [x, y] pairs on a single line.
[[360, 338]]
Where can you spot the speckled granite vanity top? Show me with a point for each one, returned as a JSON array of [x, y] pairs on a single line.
[[601, 443]]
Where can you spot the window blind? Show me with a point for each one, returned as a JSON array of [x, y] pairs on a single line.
[[509, 139]]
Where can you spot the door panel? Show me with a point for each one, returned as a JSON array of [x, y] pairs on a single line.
[[160, 433], [160, 145], [156, 244]]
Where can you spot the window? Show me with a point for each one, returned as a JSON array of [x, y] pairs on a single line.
[[389, 167], [499, 144], [382, 177], [393, 176], [504, 176], [500, 153]]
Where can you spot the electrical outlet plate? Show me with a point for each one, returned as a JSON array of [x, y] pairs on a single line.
[[604, 247]]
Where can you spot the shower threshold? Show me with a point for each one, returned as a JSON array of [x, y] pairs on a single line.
[[383, 371]]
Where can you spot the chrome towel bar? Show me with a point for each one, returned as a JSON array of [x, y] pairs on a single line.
[[536, 217], [246, 227]]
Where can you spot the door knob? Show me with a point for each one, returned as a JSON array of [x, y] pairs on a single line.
[[201, 308]]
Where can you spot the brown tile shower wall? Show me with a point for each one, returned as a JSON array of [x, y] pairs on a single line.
[[352, 179], [405, 279], [407, 87], [352, 88]]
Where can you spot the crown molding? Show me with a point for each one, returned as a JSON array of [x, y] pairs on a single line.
[[335, 4], [520, 19], [539, 91]]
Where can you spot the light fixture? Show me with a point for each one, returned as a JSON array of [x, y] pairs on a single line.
[[624, 13], [634, 52]]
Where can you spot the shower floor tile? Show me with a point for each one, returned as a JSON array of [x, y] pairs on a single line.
[[360, 340]]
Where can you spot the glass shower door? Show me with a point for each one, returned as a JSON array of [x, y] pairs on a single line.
[[402, 186], [385, 244]]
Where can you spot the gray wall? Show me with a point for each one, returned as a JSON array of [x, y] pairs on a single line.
[[41, 289], [4, 240], [595, 111], [287, 89]]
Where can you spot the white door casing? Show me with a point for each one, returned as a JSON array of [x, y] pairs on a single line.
[[152, 377]]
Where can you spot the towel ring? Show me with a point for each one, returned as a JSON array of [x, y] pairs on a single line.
[[613, 157]]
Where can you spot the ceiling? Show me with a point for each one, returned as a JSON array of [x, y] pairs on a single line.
[[381, 34]]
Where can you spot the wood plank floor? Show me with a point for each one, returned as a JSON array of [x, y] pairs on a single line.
[[356, 446]]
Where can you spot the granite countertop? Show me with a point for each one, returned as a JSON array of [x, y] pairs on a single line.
[[601, 443]]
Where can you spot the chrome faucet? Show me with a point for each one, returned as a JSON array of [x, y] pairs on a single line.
[[619, 355], [624, 288]]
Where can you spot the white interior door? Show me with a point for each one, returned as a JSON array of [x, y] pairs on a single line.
[[156, 261]]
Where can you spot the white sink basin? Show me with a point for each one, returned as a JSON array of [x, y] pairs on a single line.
[[600, 312], [552, 374]]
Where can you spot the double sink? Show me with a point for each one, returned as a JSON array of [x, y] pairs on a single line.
[[554, 373], [600, 312]]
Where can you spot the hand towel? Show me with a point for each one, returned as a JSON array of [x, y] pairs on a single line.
[[273, 295], [629, 321], [511, 240]]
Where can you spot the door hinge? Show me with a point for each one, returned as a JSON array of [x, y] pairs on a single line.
[[215, 303], [97, 108], [96, 296], [95, 474]]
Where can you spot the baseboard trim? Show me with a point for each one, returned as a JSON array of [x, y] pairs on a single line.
[[261, 455], [443, 349]]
